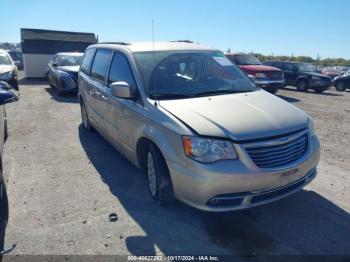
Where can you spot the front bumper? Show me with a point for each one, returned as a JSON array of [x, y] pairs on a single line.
[[270, 84], [320, 84], [241, 185], [68, 84]]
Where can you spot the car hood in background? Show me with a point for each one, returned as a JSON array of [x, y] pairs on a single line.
[[259, 68], [69, 69], [242, 116], [5, 68], [315, 74]]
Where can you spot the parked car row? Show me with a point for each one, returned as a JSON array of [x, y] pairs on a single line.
[[197, 125]]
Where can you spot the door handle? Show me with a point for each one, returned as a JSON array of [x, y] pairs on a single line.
[[104, 97], [97, 92]]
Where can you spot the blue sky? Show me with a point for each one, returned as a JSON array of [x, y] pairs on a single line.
[[281, 27]]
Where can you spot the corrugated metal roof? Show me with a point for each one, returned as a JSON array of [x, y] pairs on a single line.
[[41, 34]]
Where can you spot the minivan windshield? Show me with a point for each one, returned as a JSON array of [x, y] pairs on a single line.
[[244, 59], [183, 74]]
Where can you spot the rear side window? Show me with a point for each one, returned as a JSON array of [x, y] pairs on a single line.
[[86, 64], [120, 70], [289, 67], [100, 64]]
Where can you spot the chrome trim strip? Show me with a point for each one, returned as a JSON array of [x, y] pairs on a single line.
[[268, 82], [309, 176], [275, 142]]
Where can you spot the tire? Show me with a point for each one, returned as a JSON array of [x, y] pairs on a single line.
[[59, 92], [302, 86], [273, 91], [340, 86], [85, 117], [6, 132], [159, 181], [4, 206]]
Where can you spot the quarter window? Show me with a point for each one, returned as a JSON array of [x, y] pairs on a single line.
[[100, 64], [86, 64], [120, 70]]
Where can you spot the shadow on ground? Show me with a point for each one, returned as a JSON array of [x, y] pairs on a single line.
[[69, 97], [305, 223], [325, 93], [289, 99], [32, 81]]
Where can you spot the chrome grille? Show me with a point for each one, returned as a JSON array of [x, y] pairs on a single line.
[[278, 152], [274, 75]]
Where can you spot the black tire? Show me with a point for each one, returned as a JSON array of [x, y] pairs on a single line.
[[273, 91], [161, 189], [85, 117], [59, 92], [6, 133], [302, 85], [340, 86], [4, 206]]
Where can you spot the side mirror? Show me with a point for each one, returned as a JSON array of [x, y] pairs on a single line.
[[7, 94], [54, 64], [17, 63], [121, 90]]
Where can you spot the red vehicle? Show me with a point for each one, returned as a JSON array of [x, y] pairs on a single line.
[[267, 77]]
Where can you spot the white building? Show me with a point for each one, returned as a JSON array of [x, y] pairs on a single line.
[[38, 47]]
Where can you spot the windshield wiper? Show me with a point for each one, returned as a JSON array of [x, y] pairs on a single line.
[[220, 92], [170, 96]]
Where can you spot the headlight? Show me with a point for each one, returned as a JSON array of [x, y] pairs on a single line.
[[311, 127], [317, 78], [6, 76], [260, 75], [208, 150], [63, 74]]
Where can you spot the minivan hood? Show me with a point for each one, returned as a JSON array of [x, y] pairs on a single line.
[[242, 116], [5, 68], [259, 68]]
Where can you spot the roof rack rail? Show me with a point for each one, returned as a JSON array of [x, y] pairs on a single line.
[[115, 43], [182, 41]]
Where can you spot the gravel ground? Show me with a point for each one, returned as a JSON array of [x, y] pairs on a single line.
[[63, 182]]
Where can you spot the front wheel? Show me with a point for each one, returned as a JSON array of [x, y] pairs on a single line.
[[340, 86], [159, 180], [302, 86]]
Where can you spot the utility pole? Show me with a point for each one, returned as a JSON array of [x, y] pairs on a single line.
[[317, 60]]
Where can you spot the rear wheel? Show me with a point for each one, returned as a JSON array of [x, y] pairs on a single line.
[[273, 91], [159, 180], [340, 86], [85, 117], [302, 86]]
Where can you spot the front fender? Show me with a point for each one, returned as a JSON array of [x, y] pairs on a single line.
[[168, 142]]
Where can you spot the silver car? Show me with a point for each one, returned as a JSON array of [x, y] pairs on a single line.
[[202, 131]]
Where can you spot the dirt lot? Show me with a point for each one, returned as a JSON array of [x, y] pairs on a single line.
[[63, 182]]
